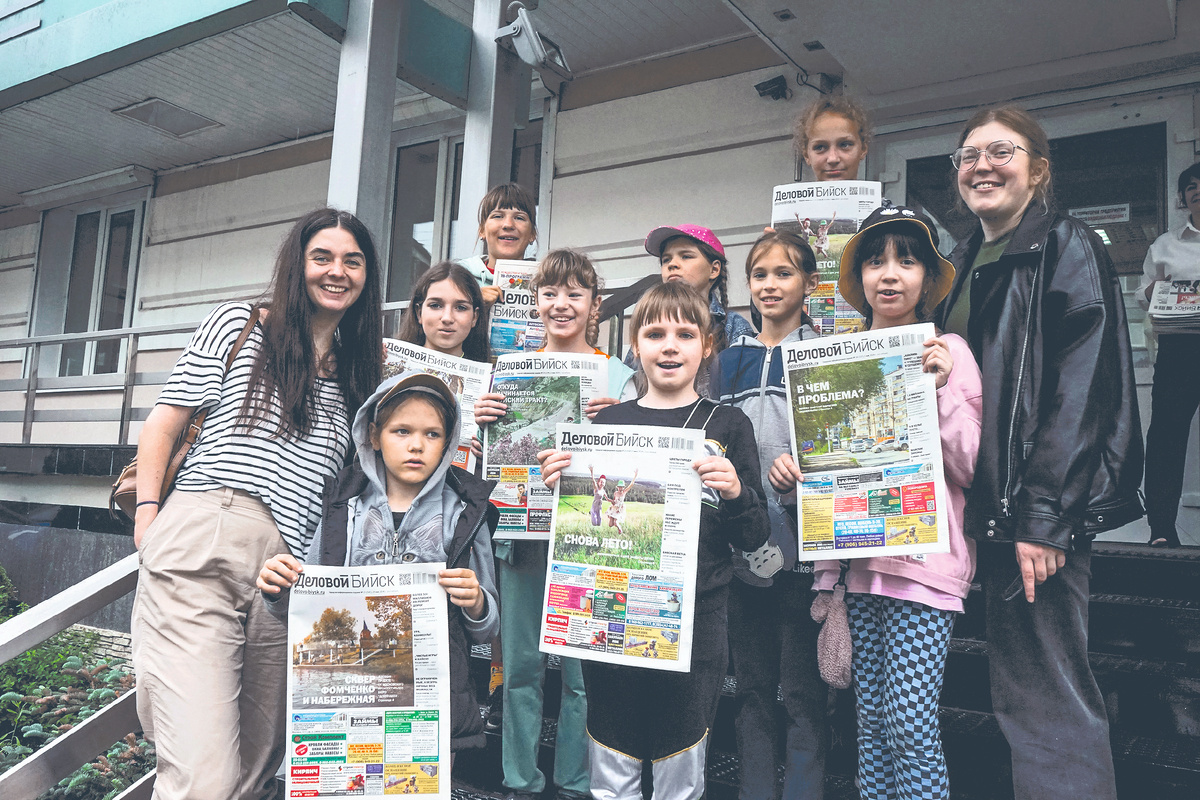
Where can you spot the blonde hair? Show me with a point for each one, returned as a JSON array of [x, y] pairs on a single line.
[[568, 267], [831, 104]]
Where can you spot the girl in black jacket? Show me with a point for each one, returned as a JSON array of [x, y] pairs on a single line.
[[1060, 454]]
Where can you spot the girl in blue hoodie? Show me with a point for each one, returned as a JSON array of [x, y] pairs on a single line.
[[772, 637]]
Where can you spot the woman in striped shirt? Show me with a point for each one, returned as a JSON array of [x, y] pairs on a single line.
[[211, 662]]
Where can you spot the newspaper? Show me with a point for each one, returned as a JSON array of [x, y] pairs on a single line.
[[467, 380], [513, 322], [369, 683], [621, 578], [865, 434], [541, 390], [826, 215], [1175, 307]]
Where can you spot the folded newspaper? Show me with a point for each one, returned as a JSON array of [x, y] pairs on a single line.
[[513, 322], [541, 390], [1175, 307], [865, 435], [621, 579], [826, 215], [368, 683]]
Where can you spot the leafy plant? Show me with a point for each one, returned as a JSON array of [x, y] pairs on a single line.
[[50, 689]]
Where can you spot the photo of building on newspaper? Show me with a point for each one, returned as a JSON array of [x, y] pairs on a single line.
[[865, 435], [368, 683], [621, 577]]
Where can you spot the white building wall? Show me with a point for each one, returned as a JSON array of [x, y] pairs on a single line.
[[217, 243], [708, 154]]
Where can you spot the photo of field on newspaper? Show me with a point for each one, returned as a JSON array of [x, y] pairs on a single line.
[[535, 406], [358, 653], [610, 516], [826, 235], [850, 415]]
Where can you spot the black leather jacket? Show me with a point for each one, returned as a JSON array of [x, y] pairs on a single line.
[[1061, 449]]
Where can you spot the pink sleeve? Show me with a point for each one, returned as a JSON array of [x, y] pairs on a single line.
[[960, 410]]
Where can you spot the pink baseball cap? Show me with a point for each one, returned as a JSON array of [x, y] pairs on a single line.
[[656, 237]]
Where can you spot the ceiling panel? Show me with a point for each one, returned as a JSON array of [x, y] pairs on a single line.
[[267, 82]]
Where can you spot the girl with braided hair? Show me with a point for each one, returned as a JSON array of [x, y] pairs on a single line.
[[694, 255]]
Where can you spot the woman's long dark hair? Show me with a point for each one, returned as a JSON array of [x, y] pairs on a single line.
[[475, 346], [286, 370]]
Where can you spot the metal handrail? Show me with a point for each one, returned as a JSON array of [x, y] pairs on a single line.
[[78, 746]]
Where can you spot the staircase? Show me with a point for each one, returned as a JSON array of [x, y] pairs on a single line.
[[1145, 651]]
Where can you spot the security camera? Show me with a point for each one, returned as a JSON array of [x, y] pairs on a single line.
[[776, 88], [534, 48]]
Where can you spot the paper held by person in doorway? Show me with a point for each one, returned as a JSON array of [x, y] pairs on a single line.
[[513, 322], [864, 427], [621, 578], [368, 683], [826, 215]]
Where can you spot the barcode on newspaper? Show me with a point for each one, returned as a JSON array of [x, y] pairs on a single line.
[[680, 444], [424, 577], [911, 338]]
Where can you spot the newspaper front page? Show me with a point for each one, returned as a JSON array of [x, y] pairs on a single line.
[[1175, 307], [826, 215], [369, 683], [541, 390], [865, 434], [621, 579], [467, 380], [513, 322]]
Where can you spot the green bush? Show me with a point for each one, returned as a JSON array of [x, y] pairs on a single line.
[[48, 690]]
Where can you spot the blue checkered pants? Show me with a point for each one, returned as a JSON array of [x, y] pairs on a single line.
[[899, 661]]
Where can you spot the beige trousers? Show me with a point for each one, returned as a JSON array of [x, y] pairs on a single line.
[[210, 660]]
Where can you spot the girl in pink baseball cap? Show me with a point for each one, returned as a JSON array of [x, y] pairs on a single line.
[[694, 255]]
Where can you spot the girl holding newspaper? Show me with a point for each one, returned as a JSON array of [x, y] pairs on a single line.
[[636, 715], [568, 302], [773, 640], [902, 608]]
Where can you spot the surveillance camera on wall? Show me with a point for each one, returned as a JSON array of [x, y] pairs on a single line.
[[776, 88], [535, 49]]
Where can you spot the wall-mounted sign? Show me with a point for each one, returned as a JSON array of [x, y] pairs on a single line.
[[1101, 215]]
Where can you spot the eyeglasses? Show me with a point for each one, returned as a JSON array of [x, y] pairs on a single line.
[[998, 154]]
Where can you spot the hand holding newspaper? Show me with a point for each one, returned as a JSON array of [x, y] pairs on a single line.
[[865, 436], [368, 683], [541, 390], [621, 579]]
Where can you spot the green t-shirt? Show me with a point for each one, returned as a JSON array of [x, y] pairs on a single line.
[[960, 312]]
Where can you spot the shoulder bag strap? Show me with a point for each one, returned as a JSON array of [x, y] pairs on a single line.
[[197, 422]]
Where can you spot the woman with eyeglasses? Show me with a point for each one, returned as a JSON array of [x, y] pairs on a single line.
[[1060, 456]]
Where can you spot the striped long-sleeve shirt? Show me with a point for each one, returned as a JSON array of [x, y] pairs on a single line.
[[287, 474]]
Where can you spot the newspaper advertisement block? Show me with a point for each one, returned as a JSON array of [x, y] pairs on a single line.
[[467, 380], [826, 215], [513, 322], [1175, 306], [541, 390], [865, 435], [621, 579], [369, 683]]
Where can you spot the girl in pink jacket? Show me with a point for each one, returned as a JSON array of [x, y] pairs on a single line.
[[902, 608]]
